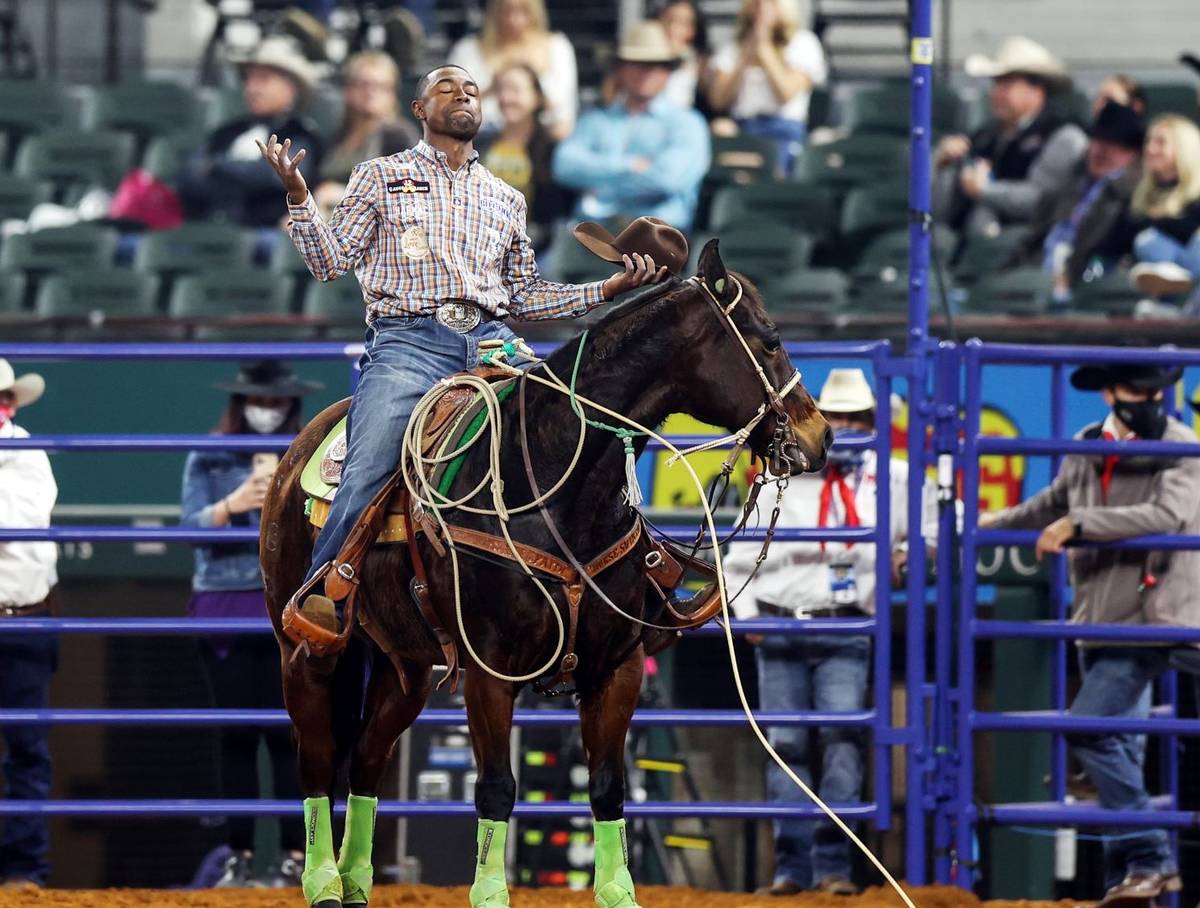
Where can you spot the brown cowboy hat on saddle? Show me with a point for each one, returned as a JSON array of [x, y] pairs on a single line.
[[645, 235]]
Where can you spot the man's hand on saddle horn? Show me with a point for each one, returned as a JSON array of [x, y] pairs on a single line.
[[275, 153], [639, 270]]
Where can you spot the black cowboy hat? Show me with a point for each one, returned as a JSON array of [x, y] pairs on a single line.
[[1143, 376], [1119, 125], [268, 378]]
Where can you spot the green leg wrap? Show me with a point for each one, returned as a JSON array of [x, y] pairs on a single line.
[[614, 885], [320, 879], [354, 862], [490, 889]]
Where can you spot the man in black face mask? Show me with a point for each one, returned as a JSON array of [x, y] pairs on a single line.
[[1103, 499]]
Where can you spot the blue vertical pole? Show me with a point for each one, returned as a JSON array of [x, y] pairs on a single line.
[[921, 54], [883, 589], [1058, 592]]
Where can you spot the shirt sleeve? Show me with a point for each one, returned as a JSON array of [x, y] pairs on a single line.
[[579, 165], [561, 83], [805, 54], [196, 497], [530, 296], [331, 249], [680, 165], [1050, 170]]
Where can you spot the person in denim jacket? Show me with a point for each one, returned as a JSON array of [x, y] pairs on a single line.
[[226, 488]]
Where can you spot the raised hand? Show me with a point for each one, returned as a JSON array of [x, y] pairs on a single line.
[[639, 270], [276, 154]]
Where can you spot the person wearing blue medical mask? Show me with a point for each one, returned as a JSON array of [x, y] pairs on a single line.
[[815, 580]]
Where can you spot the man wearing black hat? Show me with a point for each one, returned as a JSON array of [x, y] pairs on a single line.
[[1083, 221], [1104, 499]]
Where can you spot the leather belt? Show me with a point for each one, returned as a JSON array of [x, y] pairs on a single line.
[[840, 611], [461, 316], [32, 610]]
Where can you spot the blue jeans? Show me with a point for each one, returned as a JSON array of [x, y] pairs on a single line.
[[1152, 245], [789, 135], [799, 674], [26, 664], [405, 356], [1116, 682]]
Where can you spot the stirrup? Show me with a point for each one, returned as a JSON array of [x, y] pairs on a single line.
[[312, 637]]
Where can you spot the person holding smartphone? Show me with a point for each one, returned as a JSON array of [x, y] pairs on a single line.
[[226, 488]]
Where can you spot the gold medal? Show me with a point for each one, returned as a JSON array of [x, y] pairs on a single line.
[[413, 243]]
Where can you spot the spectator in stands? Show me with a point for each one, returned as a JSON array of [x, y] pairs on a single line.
[[1166, 211], [641, 154], [765, 77], [518, 31], [28, 574], [805, 580], [1120, 89], [522, 151], [226, 179], [226, 488], [1083, 225], [998, 175], [1105, 499], [687, 30]]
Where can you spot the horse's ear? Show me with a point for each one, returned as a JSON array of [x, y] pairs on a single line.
[[712, 269]]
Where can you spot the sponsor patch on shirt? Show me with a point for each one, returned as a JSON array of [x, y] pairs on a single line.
[[495, 205], [408, 184]]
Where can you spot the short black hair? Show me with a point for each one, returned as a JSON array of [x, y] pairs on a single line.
[[426, 80]]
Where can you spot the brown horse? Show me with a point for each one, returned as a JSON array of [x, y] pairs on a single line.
[[668, 351]]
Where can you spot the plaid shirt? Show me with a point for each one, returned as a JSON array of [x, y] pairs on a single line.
[[417, 233]]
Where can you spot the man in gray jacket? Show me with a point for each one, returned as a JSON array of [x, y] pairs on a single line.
[[1102, 499]]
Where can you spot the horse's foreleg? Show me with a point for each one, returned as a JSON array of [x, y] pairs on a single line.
[[309, 699], [604, 721], [389, 711], [489, 715]]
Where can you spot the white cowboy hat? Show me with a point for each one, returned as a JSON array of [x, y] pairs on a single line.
[[846, 391], [1019, 55], [280, 53], [646, 42], [26, 389]]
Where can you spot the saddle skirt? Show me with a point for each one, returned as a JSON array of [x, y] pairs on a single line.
[[456, 420]]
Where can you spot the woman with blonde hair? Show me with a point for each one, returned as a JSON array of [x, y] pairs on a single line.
[[765, 77], [1166, 210], [518, 32]]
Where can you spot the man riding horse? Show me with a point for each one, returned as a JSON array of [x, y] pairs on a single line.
[[439, 245]]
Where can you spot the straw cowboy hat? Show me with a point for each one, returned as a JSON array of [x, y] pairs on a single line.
[[281, 54], [649, 236], [268, 378], [1020, 56], [26, 389], [646, 42], [846, 391]]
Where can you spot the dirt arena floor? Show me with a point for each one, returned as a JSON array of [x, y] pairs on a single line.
[[438, 897]]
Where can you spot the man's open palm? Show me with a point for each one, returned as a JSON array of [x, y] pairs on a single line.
[[276, 154]]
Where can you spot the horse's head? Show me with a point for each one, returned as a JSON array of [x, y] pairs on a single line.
[[743, 376]]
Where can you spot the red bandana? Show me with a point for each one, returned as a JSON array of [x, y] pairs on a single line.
[[834, 478]]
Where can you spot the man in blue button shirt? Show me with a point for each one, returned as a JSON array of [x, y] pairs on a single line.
[[640, 155]]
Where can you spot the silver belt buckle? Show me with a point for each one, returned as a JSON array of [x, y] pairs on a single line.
[[458, 317]]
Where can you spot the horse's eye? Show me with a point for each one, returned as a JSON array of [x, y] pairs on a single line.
[[771, 342]]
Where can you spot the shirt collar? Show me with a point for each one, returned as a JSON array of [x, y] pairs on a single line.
[[8, 429], [426, 150]]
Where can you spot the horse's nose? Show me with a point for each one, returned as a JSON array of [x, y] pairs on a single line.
[[827, 440]]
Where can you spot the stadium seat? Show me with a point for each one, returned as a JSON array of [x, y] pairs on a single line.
[[106, 291], [886, 291], [286, 259], [12, 292], [18, 195], [982, 254], [1020, 291], [742, 159], [230, 293], [1172, 97], [760, 249], [890, 250], [573, 264], [82, 246], [143, 108], [28, 106], [221, 105], [821, 290], [871, 210], [885, 109], [853, 161], [166, 155], [74, 157], [194, 247], [1111, 294], [800, 206], [340, 303]]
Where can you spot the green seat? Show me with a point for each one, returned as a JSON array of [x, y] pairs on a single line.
[[885, 109], [742, 159], [1171, 97], [194, 247], [1020, 291], [760, 249], [12, 292], [573, 264], [72, 157], [107, 292], [82, 246], [853, 161], [872, 210], [286, 259], [809, 290], [18, 195], [1111, 294], [230, 293], [800, 206], [221, 105], [984, 254], [28, 106], [886, 291], [890, 250], [339, 303], [143, 108], [166, 155]]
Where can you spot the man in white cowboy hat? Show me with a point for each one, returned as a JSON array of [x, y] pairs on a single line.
[[998, 175], [226, 178], [641, 154], [27, 576], [807, 580]]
